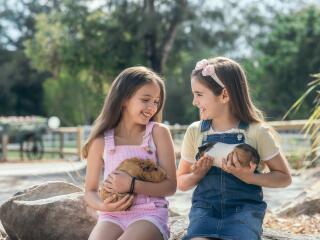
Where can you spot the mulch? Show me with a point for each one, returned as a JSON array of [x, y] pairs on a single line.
[[302, 224]]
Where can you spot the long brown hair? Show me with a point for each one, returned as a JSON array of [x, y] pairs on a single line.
[[122, 88], [233, 77]]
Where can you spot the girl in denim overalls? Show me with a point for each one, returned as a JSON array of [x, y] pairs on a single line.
[[128, 127], [227, 202]]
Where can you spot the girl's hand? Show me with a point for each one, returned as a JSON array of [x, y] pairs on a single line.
[[121, 205], [202, 166], [233, 166], [118, 182]]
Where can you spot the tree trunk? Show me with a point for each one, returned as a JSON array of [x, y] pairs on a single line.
[[158, 50]]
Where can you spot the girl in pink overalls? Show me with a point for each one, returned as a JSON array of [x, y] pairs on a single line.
[[128, 127]]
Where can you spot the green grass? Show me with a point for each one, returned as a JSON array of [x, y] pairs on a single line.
[[15, 155]]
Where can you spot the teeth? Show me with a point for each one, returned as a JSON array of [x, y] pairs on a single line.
[[147, 114]]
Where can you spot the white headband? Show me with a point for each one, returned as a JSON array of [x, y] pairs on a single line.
[[208, 70]]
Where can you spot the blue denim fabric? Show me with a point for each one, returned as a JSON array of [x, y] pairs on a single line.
[[223, 206]]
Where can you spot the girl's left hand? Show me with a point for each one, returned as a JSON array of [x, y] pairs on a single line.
[[233, 166], [118, 182]]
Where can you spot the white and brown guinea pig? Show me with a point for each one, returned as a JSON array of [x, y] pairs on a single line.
[[218, 151]]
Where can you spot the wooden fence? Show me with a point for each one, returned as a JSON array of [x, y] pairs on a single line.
[[176, 130]]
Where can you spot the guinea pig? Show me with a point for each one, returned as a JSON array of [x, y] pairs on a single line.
[[218, 151], [144, 170]]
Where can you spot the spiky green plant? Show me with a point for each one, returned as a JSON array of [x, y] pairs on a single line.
[[312, 126]]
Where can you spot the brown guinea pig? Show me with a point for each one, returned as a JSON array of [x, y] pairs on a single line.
[[144, 170]]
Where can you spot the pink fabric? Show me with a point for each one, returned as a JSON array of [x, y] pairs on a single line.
[[153, 209]]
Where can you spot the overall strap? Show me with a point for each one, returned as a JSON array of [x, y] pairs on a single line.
[[232, 138], [205, 125], [147, 138], [109, 141]]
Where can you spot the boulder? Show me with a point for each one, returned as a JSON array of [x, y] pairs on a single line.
[[307, 203], [56, 210], [3, 234], [53, 210]]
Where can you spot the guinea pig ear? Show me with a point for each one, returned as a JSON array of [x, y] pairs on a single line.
[[206, 146]]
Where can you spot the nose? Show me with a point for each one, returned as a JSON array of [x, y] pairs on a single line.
[[152, 106], [194, 103]]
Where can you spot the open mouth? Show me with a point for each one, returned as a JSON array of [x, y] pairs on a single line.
[[147, 115]]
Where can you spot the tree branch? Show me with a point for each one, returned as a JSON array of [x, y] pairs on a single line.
[[172, 30]]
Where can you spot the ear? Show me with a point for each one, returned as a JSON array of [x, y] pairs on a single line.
[[224, 96], [124, 104]]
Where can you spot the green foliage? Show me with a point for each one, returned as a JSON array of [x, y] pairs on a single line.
[[286, 58], [83, 49], [312, 127], [97, 44], [71, 97], [21, 90]]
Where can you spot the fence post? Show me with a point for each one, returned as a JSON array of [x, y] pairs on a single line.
[[79, 141], [5, 140], [61, 141]]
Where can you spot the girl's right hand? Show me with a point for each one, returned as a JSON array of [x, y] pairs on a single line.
[[121, 205], [202, 166]]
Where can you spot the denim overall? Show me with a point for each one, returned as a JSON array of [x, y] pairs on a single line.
[[223, 206]]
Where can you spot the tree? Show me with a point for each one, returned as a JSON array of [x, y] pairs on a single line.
[[286, 58], [21, 90], [75, 41]]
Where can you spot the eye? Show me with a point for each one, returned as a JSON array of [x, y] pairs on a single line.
[[145, 100], [146, 168], [197, 94]]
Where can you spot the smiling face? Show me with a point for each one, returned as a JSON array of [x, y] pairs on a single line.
[[143, 104], [210, 106]]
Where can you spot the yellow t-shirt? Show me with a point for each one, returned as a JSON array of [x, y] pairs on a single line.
[[259, 135]]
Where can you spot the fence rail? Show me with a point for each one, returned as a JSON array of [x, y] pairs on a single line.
[[177, 131]]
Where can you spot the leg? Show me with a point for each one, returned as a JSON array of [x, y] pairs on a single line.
[[141, 230], [105, 230]]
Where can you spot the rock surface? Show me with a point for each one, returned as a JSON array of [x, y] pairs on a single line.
[[56, 210], [53, 210], [3, 234], [307, 203]]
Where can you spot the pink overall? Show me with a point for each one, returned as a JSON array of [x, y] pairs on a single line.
[[152, 209]]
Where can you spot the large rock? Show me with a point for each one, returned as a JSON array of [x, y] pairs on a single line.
[[53, 210], [307, 203], [3, 234], [56, 210]]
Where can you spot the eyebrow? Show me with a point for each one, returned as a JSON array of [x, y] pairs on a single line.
[[148, 95]]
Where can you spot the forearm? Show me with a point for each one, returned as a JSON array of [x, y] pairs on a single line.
[[273, 179], [187, 181], [93, 200], [162, 189]]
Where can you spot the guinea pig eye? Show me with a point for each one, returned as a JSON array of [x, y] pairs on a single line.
[[146, 168]]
